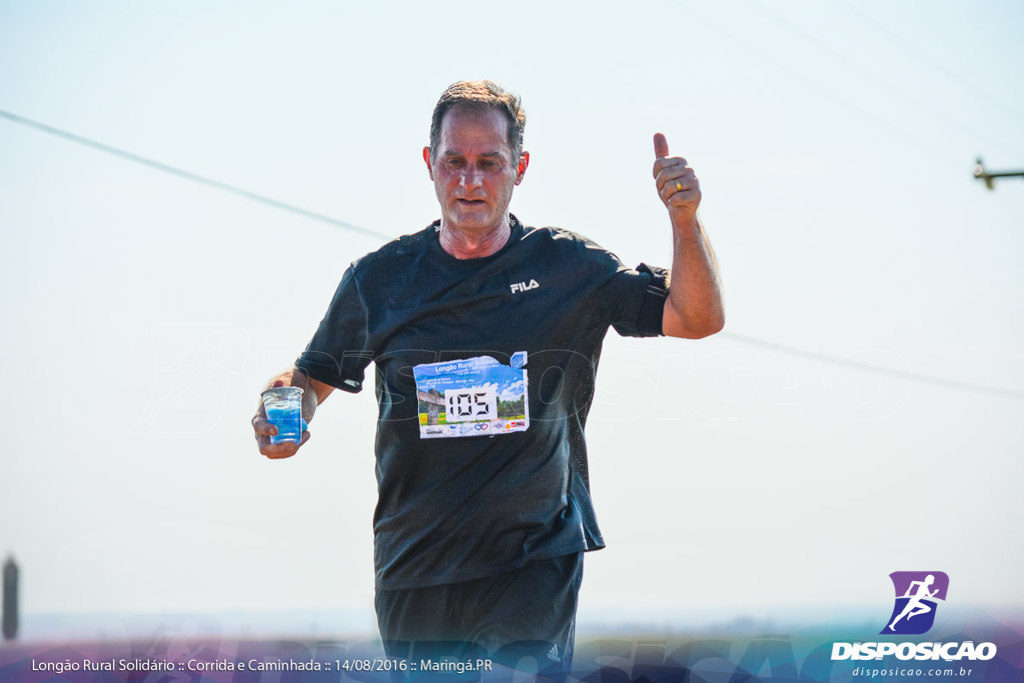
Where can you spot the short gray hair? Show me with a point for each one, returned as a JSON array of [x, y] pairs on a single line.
[[480, 96]]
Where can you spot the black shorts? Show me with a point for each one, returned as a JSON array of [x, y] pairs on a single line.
[[525, 618]]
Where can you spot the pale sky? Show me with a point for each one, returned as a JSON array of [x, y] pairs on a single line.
[[834, 142]]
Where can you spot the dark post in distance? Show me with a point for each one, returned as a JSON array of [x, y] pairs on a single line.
[[10, 608]]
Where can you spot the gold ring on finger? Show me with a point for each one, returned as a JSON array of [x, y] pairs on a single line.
[[679, 186]]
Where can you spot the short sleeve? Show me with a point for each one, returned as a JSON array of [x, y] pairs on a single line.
[[337, 353], [637, 300]]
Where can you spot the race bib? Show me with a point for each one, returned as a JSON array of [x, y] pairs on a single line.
[[472, 397]]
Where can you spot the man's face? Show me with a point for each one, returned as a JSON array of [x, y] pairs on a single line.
[[473, 169]]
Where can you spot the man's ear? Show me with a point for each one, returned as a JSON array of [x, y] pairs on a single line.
[[524, 161], [426, 158]]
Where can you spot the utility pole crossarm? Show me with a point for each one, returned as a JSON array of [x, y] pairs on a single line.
[[987, 176]]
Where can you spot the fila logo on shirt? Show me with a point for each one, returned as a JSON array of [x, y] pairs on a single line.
[[522, 286]]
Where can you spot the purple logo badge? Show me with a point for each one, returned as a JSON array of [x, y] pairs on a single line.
[[917, 596]]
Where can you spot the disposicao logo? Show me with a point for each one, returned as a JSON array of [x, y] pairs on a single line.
[[917, 598], [913, 613]]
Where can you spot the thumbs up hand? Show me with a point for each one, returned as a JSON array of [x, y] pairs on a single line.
[[676, 182]]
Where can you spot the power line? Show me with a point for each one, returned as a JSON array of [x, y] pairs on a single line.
[[823, 47], [952, 384], [895, 38], [934, 151], [816, 88], [900, 374], [189, 175]]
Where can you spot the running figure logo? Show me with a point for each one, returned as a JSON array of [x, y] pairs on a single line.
[[917, 594]]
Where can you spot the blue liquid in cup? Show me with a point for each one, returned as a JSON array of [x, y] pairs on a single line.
[[283, 406], [289, 424]]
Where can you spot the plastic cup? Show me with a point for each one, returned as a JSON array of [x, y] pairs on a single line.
[[284, 411]]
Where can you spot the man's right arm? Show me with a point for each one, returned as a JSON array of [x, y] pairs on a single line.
[[314, 393]]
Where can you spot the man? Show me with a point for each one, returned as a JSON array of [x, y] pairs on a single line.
[[485, 335]]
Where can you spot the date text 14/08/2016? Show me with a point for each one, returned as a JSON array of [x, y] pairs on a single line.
[[453, 666]]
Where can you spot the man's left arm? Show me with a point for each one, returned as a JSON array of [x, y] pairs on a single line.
[[693, 307]]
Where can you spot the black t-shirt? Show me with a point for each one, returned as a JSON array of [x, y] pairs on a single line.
[[485, 372]]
